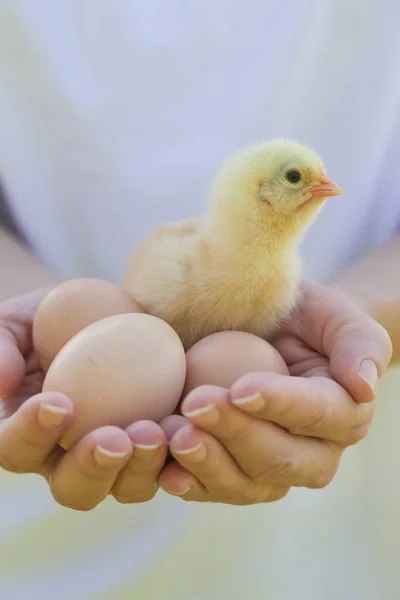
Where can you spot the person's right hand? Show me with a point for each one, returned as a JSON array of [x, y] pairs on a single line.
[[125, 464]]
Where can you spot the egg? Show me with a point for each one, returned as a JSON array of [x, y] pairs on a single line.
[[222, 358], [119, 370], [70, 307]]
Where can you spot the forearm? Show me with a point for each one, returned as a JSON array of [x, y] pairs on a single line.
[[20, 270], [374, 282]]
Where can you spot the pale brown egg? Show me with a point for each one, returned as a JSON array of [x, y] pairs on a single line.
[[222, 358], [70, 307], [119, 370]]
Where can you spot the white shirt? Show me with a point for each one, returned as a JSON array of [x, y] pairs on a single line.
[[114, 118]]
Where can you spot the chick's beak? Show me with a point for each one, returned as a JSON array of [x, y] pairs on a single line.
[[325, 188]]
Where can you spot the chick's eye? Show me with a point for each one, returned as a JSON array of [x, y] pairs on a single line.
[[293, 176]]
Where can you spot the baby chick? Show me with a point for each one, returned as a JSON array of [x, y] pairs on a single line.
[[238, 267]]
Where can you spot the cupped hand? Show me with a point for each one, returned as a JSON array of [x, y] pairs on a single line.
[[269, 432], [107, 461]]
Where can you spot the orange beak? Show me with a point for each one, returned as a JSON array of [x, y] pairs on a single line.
[[325, 188]]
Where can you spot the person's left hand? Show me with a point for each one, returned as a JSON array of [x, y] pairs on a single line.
[[270, 432]]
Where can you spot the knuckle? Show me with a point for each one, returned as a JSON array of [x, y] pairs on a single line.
[[273, 494], [71, 504], [282, 467], [356, 434], [357, 427], [324, 476], [320, 419], [321, 480], [236, 436]]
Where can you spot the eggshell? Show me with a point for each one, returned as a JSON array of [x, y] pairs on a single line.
[[119, 370], [222, 358], [70, 307]]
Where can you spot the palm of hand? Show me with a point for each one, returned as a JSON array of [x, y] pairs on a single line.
[[284, 431], [328, 336], [21, 374], [321, 404], [23, 378], [31, 384], [304, 357]]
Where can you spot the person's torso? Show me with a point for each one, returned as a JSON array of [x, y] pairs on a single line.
[[113, 119]]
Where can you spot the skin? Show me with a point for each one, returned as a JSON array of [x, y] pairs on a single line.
[[338, 413], [270, 432], [32, 423], [243, 453]]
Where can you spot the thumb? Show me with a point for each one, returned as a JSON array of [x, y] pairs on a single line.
[[12, 363], [358, 348], [360, 351]]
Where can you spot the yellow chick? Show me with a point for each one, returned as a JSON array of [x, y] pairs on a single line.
[[238, 267]]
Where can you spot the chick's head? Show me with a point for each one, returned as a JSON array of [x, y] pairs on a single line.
[[292, 177], [280, 182]]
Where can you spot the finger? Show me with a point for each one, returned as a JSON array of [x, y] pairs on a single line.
[[137, 482], [174, 477], [171, 424], [264, 451], [360, 354], [208, 461], [87, 472], [315, 406], [16, 317], [358, 347], [12, 363], [177, 481], [29, 435]]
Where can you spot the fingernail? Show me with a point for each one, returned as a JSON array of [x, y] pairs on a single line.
[[50, 416], [251, 403], [182, 492], [107, 458], [195, 454], [208, 415], [369, 372], [146, 447]]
